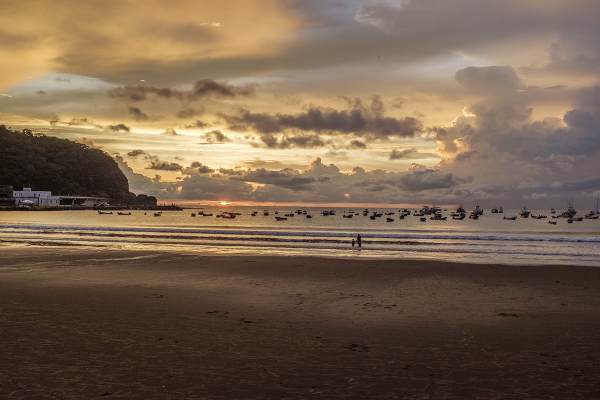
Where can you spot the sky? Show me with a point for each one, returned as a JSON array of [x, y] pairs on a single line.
[[494, 102]]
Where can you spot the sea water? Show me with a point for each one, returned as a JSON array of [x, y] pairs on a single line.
[[489, 239]]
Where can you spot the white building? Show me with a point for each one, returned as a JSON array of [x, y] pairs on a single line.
[[35, 198]]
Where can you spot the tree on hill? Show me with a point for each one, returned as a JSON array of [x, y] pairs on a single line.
[[62, 166]]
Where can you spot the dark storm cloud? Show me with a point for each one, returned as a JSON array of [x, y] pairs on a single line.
[[360, 120], [137, 114], [201, 89]]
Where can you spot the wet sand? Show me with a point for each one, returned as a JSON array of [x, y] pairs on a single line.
[[79, 323]]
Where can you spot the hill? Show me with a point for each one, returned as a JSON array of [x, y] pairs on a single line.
[[62, 166]]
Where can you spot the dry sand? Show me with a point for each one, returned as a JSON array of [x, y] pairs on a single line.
[[83, 324]]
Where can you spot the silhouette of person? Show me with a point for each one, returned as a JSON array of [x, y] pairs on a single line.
[[352, 242], [359, 241]]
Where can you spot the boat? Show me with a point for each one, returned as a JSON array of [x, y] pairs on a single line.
[[158, 214], [510, 218], [525, 213], [594, 214], [104, 212], [389, 219], [552, 222], [438, 217], [423, 219], [570, 213], [227, 215], [193, 214], [123, 213], [459, 217], [278, 218], [308, 216]]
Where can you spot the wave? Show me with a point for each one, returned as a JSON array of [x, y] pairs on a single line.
[[411, 236]]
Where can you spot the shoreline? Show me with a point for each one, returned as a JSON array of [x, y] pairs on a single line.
[[143, 324], [356, 256]]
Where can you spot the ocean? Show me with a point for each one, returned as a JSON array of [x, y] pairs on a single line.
[[490, 239]]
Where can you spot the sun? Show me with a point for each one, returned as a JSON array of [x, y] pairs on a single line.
[[224, 203]]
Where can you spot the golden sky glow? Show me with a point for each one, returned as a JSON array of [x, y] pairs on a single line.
[[317, 101]]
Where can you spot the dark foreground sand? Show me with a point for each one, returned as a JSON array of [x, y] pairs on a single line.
[[77, 324]]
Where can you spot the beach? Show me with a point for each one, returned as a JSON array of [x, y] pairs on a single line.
[[108, 323]]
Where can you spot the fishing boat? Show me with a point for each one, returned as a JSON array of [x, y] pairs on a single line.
[[278, 218], [510, 218], [389, 219], [123, 213], [525, 213], [104, 212], [570, 213], [158, 214], [552, 222]]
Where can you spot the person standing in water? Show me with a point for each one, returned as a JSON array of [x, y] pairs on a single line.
[[359, 241]]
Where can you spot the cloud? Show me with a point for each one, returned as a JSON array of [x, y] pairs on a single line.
[[119, 128], [491, 80], [357, 144], [198, 168], [201, 89], [427, 179], [197, 124], [287, 141], [188, 112], [286, 178], [156, 164], [403, 154], [137, 114], [410, 154], [360, 120], [216, 136], [136, 153], [76, 121]]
